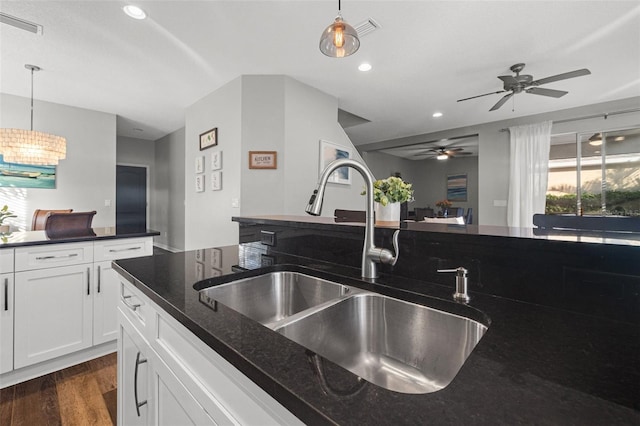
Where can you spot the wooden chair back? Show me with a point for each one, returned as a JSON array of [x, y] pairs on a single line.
[[69, 224], [40, 218]]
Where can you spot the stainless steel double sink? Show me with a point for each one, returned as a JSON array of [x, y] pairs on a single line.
[[398, 345]]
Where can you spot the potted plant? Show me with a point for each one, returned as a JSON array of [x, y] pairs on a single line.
[[5, 213], [444, 205], [388, 194]]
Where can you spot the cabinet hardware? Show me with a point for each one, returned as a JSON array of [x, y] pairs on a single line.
[[6, 294], [125, 249], [56, 257], [132, 306], [135, 383], [98, 278], [88, 281]]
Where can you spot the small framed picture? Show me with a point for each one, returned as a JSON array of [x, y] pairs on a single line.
[[199, 164], [200, 255], [329, 152], [216, 160], [199, 271], [263, 159], [216, 258], [199, 183], [209, 139], [216, 181]]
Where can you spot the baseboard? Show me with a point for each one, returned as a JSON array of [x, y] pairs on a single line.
[[40, 369]]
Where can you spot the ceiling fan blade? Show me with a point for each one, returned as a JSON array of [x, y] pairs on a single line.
[[453, 149], [508, 80], [501, 101], [546, 92], [564, 76], [479, 96]]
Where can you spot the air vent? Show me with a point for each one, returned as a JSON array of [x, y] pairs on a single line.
[[20, 23], [366, 27]]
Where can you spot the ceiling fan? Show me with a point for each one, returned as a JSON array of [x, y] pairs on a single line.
[[526, 83], [444, 153]]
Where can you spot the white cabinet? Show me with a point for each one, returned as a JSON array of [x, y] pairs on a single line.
[[190, 382], [6, 261], [134, 386], [6, 322], [105, 303], [53, 313]]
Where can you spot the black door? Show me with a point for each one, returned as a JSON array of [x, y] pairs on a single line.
[[131, 197]]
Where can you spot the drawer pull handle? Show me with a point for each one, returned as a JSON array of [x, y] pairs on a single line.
[[56, 257], [125, 249], [99, 278], [88, 281], [6, 294], [132, 306], [135, 384]]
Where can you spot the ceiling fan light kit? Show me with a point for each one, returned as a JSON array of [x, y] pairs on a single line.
[[339, 39], [525, 83], [31, 147]]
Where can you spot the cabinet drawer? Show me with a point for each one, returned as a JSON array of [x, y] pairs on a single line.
[[53, 255], [134, 305], [6, 261], [122, 249]]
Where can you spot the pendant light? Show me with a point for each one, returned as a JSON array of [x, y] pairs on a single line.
[[31, 147], [339, 39]]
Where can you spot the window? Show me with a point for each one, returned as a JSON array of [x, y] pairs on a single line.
[[595, 173]]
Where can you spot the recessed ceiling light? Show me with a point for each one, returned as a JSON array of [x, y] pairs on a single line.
[[437, 114], [134, 11], [364, 67]]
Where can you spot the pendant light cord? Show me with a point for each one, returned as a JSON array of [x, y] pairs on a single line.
[[31, 99]]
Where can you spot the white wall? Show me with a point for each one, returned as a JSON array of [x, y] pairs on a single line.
[[85, 179], [493, 159], [167, 211], [208, 214]]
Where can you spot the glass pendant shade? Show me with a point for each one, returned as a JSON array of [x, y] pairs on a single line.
[[31, 147], [339, 39]]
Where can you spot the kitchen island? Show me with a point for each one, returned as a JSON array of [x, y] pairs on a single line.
[[536, 364]]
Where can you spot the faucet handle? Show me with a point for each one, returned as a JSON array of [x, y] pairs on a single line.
[[385, 256]]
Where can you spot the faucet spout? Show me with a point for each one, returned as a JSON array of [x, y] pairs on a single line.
[[370, 253]]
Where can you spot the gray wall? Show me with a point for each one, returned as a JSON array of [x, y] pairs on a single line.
[[493, 159], [261, 113], [85, 179], [167, 211]]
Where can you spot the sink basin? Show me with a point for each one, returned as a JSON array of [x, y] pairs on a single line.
[[272, 297], [398, 345]]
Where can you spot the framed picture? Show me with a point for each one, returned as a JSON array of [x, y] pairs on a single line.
[[457, 187], [216, 181], [199, 271], [209, 139], [200, 255], [199, 164], [216, 258], [263, 159], [216, 160], [329, 152], [199, 183], [18, 175]]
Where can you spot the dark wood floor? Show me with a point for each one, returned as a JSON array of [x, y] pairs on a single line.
[[84, 394]]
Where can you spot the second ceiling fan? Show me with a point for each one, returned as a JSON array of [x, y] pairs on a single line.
[[526, 83]]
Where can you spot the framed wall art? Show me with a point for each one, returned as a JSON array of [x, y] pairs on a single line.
[[209, 138], [216, 181], [216, 160], [329, 152], [199, 183], [199, 165], [263, 159], [18, 175], [457, 187]]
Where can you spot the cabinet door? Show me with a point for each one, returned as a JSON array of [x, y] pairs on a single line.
[[105, 303], [6, 323], [175, 405], [53, 313], [133, 379]]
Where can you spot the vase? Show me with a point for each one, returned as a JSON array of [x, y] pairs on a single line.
[[388, 215]]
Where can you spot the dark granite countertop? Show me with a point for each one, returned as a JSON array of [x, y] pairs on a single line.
[[561, 235], [33, 238], [534, 365]]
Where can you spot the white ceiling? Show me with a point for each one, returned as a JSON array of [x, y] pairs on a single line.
[[426, 55]]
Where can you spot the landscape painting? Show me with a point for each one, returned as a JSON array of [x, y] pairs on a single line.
[[457, 187], [14, 175]]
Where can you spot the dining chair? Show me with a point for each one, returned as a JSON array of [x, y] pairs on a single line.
[[350, 215], [469, 218], [69, 224], [40, 218]]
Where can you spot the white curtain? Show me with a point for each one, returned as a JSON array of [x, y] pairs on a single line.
[[529, 172]]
